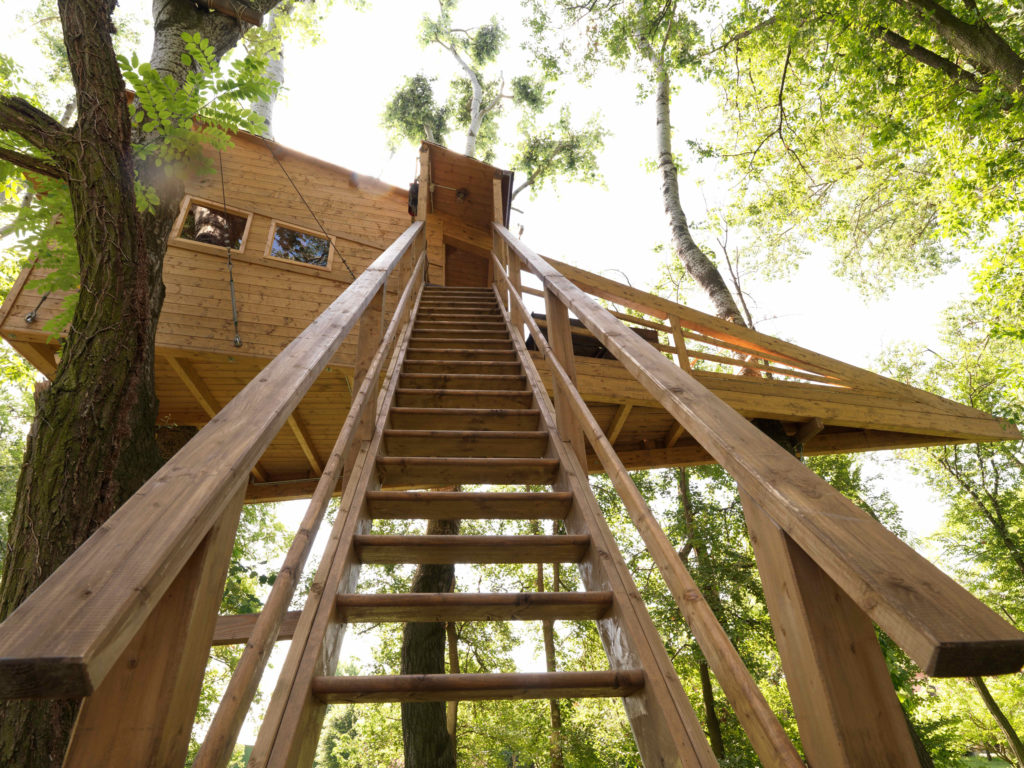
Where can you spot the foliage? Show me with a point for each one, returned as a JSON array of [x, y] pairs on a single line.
[[477, 102], [859, 145]]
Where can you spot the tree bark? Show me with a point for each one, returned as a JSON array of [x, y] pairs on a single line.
[[424, 724], [1001, 720], [550, 662], [696, 262], [977, 42], [710, 715]]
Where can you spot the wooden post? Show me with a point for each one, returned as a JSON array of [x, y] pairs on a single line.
[[423, 196], [560, 338], [142, 712], [500, 247], [677, 335], [844, 700], [370, 335]]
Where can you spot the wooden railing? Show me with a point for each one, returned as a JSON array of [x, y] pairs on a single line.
[[828, 569], [129, 616]]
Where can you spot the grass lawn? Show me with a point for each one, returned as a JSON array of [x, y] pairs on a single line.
[[981, 762]]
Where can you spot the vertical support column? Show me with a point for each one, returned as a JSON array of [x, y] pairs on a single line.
[[499, 244], [677, 336], [423, 198], [560, 338], [515, 277], [142, 712], [371, 332], [845, 704]]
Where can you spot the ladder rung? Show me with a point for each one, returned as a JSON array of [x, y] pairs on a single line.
[[470, 381], [443, 505], [463, 398], [430, 549], [465, 418], [460, 354], [467, 687], [459, 342], [465, 443], [459, 606], [500, 367], [430, 471]]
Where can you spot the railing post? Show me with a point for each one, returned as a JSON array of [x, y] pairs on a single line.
[[843, 697], [142, 712], [560, 338], [371, 333]]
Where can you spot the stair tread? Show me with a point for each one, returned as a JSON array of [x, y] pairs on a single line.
[[441, 549], [492, 443], [474, 686], [473, 606], [417, 505]]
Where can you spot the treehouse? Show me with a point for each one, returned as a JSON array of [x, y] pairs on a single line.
[[358, 340], [290, 233]]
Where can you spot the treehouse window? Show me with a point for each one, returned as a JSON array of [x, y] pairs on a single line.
[[293, 244], [214, 225]]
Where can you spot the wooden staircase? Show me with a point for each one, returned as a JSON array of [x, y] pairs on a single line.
[[461, 408]]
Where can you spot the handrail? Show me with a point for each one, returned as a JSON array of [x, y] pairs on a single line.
[[757, 719], [936, 621], [227, 722], [64, 638]]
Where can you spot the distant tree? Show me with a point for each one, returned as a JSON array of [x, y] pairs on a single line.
[[477, 100]]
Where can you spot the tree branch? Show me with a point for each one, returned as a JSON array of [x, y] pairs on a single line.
[[33, 164], [32, 124], [740, 36], [931, 59]]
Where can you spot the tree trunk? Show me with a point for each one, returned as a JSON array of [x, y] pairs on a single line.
[[977, 42], [696, 262], [551, 665], [1001, 720], [710, 715], [93, 442], [273, 71], [424, 724]]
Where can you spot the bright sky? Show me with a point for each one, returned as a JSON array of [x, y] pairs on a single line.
[[337, 91]]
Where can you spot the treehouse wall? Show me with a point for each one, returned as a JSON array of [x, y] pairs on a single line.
[[275, 298]]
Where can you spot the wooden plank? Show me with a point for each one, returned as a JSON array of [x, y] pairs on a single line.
[[474, 606], [662, 719], [237, 629], [618, 422], [142, 712], [298, 428], [464, 398], [63, 639], [470, 549], [38, 354], [423, 471], [463, 381], [441, 505], [835, 670], [465, 443], [676, 432], [474, 687], [761, 726], [682, 356], [560, 337], [938, 623], [464, 418], [223, 731], [12, 295]]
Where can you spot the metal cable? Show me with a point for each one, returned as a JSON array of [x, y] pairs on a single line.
[[308, 207], [231, 274]]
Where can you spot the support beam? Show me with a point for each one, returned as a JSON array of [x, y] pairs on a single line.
[[298, 428], [808, 430], [618, 422], [192, 381], [674, 434]]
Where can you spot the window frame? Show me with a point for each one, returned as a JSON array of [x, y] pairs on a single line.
[[331, 245], [184, 242]]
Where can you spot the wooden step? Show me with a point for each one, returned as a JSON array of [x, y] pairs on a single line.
[[447, 606], [468, 334], [448, 289], [479, 367], [465, 418], [459, 342], [479, 505], [467, 687], [457, 313], [463, 300], [434, 550], [460, 354], [463, 398], [461, 307], [431, 471], [460, 325], [482, 443], [470, 381]]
